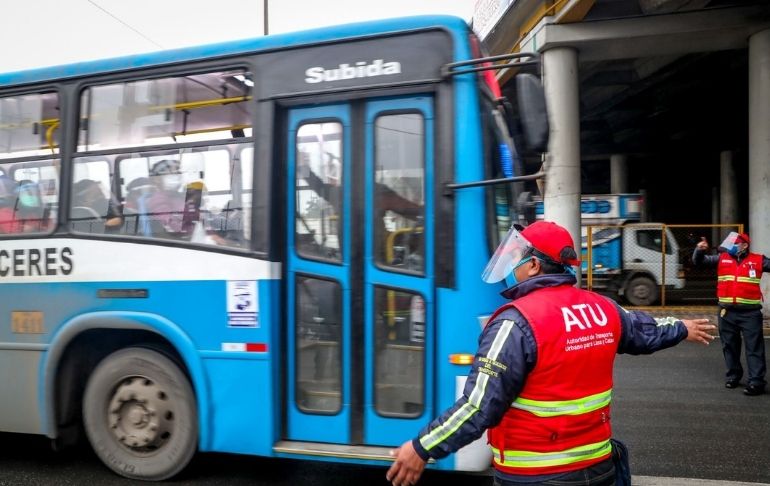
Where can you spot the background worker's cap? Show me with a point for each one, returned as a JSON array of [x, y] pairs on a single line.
[[743, 237], [553, 241]]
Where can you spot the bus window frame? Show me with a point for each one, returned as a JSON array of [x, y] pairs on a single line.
[[76, 89], [372, 212], [345, 179], [340, 351], [424, 381], [157, 73]]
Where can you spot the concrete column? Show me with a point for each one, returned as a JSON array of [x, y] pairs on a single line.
[[618, 174], [561, 199], [759, 150], [728, 191]]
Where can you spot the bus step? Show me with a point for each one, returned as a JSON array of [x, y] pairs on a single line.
[[345, 451]]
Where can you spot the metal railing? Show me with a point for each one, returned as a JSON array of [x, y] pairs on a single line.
[[645, 264]]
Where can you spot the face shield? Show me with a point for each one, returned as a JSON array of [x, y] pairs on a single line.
[[509, 253], [730, 244]]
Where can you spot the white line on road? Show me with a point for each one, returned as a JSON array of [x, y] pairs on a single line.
[[663, 481]]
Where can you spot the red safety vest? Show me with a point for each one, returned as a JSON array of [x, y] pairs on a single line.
[[738, 283], [561, 419]]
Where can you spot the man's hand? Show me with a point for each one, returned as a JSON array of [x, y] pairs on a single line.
[[408, 466], [702, 244], [699, 330]]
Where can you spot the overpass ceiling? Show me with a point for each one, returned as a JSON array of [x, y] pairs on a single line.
[[696, 101], [692, 97]]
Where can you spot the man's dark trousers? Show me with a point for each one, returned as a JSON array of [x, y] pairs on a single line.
[[733, 323]]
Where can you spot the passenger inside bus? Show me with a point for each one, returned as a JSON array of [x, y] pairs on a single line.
[[31, 213], [92, 211], [8, 223], [164, 205]]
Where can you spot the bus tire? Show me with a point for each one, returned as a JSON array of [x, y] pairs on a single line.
[[140, 415], [641, 291]]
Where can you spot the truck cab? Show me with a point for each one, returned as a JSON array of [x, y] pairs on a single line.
[[622, 257]]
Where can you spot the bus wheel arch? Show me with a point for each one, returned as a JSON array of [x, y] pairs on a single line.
[[76, 363], [72, 356], [140, 414]]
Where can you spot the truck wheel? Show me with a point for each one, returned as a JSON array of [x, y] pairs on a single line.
[[641, 291], [140, 415]]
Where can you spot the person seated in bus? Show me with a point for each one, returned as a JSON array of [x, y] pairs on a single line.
[[226, 226], [89, 203], [8, 222], [135, 205], [165, 205], [30, 211]]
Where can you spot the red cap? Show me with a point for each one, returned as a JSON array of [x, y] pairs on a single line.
[[744, 237], [553, 241]]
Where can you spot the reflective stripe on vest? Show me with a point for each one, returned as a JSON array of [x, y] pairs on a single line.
[[543, 459], [726, 278], [749, 280], [565, 407], [739, 300]]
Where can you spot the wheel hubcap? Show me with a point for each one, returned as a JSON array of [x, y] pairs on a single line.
[[140, 415]]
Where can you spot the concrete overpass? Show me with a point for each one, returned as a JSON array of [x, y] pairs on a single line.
[[668, 97]]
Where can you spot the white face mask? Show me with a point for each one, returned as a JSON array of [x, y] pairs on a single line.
[[171, 182]]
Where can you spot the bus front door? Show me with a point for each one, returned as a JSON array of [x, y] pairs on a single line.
[[359, 269]]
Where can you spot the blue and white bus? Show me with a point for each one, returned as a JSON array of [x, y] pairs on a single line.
[[266, 247]]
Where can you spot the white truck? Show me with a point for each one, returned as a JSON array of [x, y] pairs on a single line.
[[627, 258]]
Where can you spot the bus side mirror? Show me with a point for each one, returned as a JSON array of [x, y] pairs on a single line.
[[530, 97]]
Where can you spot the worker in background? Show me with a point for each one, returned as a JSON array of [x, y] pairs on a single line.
[[740, 307], [541, 380]]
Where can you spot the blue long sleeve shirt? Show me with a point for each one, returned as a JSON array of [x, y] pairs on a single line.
[[510, 339]]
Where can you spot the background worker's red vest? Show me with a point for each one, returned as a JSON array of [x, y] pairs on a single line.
[[561, 419], [736, 283]]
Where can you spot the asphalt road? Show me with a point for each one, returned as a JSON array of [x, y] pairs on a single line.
[[671, 409], [678, 419]]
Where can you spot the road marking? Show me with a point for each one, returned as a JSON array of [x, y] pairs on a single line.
[[664, 481]]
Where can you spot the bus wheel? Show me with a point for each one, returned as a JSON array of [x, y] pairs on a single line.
[[140, 415], [641, 291]]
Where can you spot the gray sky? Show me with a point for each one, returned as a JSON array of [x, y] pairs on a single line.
[[37, 33]]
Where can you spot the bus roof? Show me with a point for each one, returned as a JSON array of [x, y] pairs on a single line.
[[455, 25]]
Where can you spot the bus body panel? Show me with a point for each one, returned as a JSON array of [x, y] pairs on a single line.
[[19, 409], [69, 304]]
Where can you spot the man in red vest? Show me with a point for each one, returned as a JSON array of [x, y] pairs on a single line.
[[541, 381], [740, 307]]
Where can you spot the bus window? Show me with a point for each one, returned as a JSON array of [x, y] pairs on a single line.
[[400, 344], [192, 194], [317, 341], [399, 194], [195, 108], [318, 182], [29, 125], [500, 202], [190, 189], [93, 207]]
